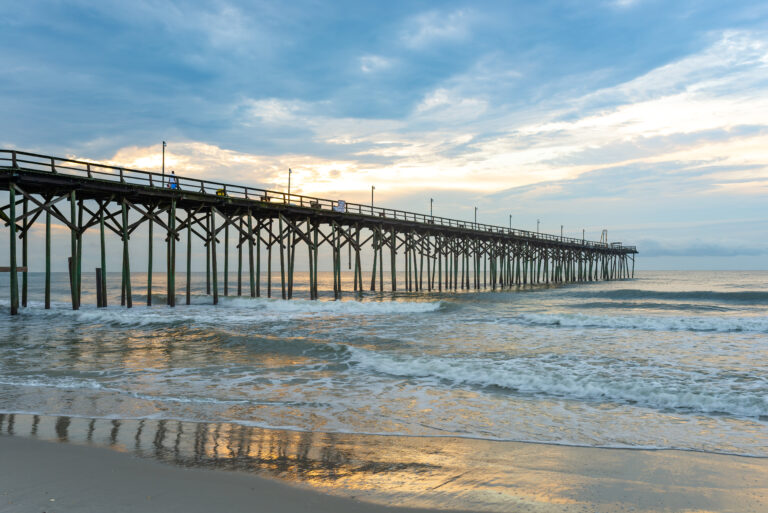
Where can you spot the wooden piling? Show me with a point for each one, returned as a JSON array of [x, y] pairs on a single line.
[[381, 260], [282, 256], [126, 259], [269, 259], [172, 254], [311, 262], [208, 255], [258, 259], [358, 262], [73, 243], [214, 268], [47, 260], [393, 264], [315, 251], [12, 250], [99, 299], [250, 255], [226, 256], [79, 262], [103, 254], [290, 238], [189, 259], [440, 270], [149, 262], [24, 251], [375, 255], [241, 241]]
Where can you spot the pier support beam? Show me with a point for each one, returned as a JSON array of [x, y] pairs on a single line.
[[25, 226], [172, 254], [149, 262], [12, 247], [126, 259], [212, 245], [47, 260], [189, 257], [103, 254], [73, 259], [250, 254]]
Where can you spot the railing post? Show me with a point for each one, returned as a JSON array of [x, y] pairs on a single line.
[[14, 163]]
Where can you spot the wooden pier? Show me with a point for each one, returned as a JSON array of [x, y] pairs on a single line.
[[439, 254]]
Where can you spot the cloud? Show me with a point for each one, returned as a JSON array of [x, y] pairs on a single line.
[[435, 27], [276, 111], [443, 105], [374, 63]]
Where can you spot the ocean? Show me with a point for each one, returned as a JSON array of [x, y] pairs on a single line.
[[669, 360]]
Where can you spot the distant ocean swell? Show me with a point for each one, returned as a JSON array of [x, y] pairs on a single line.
[[722, 324], [753, 297]]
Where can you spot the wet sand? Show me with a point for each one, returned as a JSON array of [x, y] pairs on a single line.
[[52, 477], [190, 467]]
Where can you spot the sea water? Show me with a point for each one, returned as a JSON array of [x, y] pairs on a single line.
[[667, 360]]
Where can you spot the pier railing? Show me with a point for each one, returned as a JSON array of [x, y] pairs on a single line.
[[14, 159]]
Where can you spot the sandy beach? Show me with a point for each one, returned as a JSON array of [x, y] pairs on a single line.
[[107, 465]]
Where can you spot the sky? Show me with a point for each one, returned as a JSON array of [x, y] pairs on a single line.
[[646, 118]]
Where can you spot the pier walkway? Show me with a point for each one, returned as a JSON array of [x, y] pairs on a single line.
[[437, 253]]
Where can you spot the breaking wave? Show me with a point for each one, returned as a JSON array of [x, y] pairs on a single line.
[[578, 379]]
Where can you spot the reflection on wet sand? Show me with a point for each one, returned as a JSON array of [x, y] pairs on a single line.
[[432, 472]]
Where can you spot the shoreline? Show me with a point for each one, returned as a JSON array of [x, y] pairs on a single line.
[[296, 430], [347, 472]]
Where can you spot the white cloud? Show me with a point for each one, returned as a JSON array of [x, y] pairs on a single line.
[[434, 27], [374, 63], [275, 111], [444, 105]]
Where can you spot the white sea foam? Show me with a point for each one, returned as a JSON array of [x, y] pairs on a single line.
[[68, 383], [577, 379], [722, 324], [235, 311], [303, 306]]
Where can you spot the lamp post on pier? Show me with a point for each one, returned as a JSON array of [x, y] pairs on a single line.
[[561, 232], [475, 217], [510, 221], [373, 188], [538, 222], [431, 200]]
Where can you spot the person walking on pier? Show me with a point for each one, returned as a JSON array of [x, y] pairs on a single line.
[[173, 182]]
